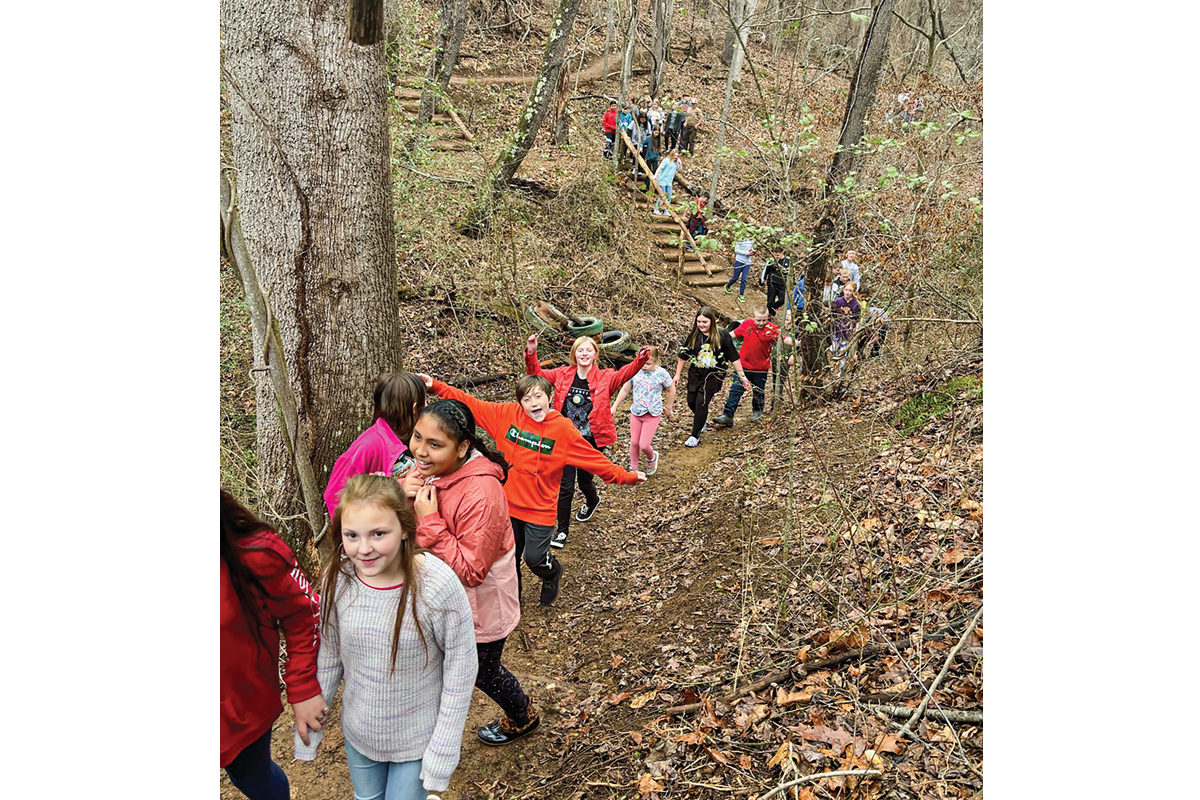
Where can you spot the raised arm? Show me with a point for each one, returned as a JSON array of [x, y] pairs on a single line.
[[489, 415], [532, 367], [625, 374]]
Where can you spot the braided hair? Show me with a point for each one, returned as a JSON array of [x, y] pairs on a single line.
[[456, 421]]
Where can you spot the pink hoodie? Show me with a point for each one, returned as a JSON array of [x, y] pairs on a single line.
[[375, 450], [472, 533]]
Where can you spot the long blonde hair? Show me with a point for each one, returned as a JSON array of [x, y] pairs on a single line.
[[384, 492]]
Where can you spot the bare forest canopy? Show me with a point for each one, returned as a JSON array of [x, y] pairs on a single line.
[[796, 602]]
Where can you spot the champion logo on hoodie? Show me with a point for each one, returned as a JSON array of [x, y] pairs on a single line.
[[530, 441]]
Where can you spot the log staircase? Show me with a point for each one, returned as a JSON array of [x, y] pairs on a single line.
[[668, 239], [446, 130]]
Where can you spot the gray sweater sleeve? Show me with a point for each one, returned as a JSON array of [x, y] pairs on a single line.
[[455, 633]]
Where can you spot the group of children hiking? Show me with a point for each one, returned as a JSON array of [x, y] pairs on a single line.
[[429, 528], [661, 137]]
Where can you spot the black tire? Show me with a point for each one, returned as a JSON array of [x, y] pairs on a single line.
[[614, 341], [589, 326], [538, 324]]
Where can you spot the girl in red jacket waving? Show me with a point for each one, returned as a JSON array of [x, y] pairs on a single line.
[[462, 518], [262, 590], [583, 394]]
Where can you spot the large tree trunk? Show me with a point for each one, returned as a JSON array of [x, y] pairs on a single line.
[[862, 95], [607, 43], [522, 139], [664, 10], [735, 69], [733, 12], [626, 72], [313, 239], [445, 56]]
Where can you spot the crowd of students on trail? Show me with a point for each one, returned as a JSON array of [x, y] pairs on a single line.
[[661, 134], [429, 526]]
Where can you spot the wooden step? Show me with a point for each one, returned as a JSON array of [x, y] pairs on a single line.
[[444, 145], [700, 283], [663, 226], [694, 268], [404, 93], [412, 109], [437, 131], [673, 255]]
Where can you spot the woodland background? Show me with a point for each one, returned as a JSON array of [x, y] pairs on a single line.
[[146, 332]]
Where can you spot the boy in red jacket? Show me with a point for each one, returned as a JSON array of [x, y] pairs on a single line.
[[538, 442], [609, 123], [758, 336]]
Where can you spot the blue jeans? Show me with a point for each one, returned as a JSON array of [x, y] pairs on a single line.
[[758, 382], [668, 191], [255, 774], [740, 269], [384, 780]]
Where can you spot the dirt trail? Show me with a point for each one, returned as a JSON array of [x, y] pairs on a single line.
[[647, 578]]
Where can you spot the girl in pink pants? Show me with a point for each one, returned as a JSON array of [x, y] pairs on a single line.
[[647, 409]]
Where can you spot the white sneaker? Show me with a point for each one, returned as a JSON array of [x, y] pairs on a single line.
[[652, 465], [692, 441]]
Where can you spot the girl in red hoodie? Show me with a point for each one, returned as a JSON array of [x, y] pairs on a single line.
[[539, 443], [263, 590], [462, 518], [583, 393]]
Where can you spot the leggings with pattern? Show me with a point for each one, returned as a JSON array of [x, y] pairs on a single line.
[[499, 684]]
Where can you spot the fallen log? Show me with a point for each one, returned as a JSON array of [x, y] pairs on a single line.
[[963, 716]]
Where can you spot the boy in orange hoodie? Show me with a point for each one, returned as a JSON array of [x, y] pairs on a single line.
[[538, 442]]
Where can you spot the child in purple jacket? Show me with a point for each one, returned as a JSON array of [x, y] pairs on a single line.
[[846, 311]]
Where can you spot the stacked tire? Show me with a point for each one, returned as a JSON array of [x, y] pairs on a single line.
[[550, 319]]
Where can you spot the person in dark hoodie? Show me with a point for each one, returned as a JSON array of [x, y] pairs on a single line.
[[774, 277]]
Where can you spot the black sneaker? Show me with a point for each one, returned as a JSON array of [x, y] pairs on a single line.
[[586, 511], [724, 420], [504, 731], [550, 588], [559, 539]]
